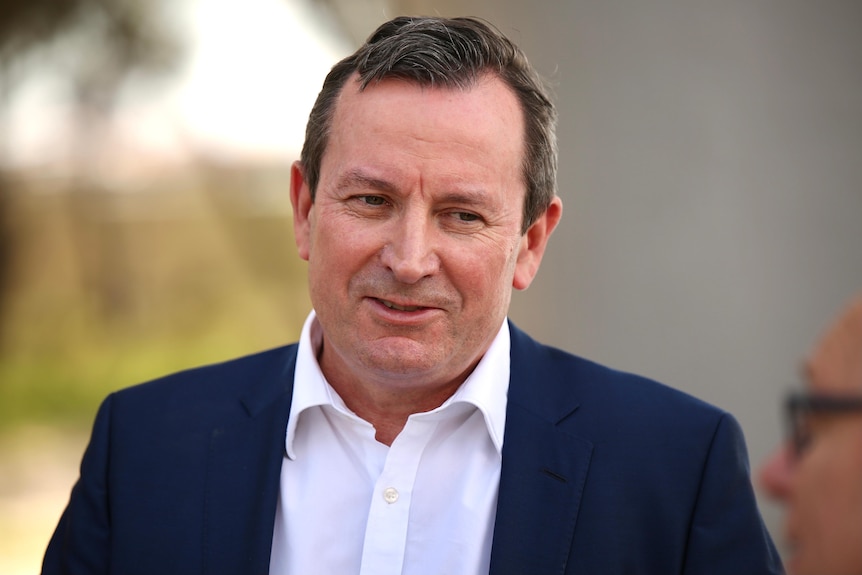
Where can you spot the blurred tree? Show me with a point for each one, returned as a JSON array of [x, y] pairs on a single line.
[[98, 41], [91, 46], [25, 23]]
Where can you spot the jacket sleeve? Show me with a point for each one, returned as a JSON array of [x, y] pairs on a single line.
[[727, 534], [81, 543]]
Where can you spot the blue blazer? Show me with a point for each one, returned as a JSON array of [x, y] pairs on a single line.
[[603, 473]]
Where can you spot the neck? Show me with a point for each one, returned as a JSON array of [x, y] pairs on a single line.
[[387, 408], [386, 400]]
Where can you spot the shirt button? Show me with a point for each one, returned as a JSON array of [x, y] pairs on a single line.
[[390, 494]]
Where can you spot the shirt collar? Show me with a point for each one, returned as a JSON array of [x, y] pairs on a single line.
[[485, 388]]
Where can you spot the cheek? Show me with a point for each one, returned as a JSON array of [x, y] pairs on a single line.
[[849, 474], [330, 264], [829, 488], [337, 244], [486, 273]]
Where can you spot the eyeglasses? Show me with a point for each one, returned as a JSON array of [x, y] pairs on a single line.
[[799, 407]]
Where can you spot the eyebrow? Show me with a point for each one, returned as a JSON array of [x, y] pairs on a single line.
[[357, 178], [464, 198]]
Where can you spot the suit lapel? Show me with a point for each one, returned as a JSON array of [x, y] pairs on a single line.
[[243, 477], [542, 478], [544, 468]]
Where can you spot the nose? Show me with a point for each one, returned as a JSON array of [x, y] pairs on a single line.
[[776, 474], [410, 251]]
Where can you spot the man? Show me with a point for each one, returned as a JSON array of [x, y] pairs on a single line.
[[413, 429], [818, 474]]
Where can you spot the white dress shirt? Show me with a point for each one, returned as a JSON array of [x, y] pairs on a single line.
[[425, 505]]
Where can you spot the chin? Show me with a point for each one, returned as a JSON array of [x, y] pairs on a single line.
[[401, 361]]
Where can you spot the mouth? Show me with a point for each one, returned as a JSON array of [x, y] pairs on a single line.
[[399, 307]]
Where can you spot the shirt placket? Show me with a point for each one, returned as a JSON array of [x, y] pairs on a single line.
[[389, 513]]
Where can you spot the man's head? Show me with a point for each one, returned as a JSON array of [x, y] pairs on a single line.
[[818, 475], [447, 53], [409, 203]]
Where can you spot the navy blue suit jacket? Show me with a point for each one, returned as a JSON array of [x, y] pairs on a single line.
[[603, 473]]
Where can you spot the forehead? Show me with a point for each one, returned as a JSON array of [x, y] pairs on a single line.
[[485, 117], [836, 362], [486, 90]]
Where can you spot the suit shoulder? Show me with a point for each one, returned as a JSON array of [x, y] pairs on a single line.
[[634, 389], [596, 388], [211, 383]]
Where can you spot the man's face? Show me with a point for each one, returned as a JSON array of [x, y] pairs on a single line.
[[822, 488], [413, 240]]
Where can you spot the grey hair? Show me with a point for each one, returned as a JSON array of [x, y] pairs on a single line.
[[450, 53]]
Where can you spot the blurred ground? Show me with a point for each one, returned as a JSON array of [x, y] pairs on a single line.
[[37, 469]]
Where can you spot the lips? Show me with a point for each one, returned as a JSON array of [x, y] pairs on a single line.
[[395, 306]]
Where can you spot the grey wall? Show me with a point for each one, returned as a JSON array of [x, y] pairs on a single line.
[[711, 171]]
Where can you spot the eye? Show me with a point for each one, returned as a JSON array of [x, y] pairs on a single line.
[[373, 200], [808, 429], [466, 216]]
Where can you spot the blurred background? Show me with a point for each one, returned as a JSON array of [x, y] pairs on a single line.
[[710, 167]]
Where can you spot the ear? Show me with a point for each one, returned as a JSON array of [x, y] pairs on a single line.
[[533, 245], [300, 199]]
